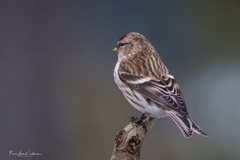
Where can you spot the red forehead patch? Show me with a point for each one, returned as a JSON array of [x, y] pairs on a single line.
[[122, 37]]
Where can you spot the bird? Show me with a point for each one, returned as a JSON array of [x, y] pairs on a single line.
[[148, 85]]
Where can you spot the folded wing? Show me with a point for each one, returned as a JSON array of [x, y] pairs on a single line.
[[164, 92]]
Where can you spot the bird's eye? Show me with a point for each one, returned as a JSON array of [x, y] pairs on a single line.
[[122, 44]]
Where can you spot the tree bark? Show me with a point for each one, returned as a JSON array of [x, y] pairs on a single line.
[[128, 142]]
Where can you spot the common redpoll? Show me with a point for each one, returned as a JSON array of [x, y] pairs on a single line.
[[147, 84]]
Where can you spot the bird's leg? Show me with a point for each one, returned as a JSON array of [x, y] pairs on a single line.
[[139, 121], [133, 119]]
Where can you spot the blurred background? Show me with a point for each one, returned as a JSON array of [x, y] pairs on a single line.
[[58, 97]]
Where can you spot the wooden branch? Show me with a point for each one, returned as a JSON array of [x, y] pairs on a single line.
[[128, 142]]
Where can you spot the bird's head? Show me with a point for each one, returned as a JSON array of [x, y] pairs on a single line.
[[131, 44]]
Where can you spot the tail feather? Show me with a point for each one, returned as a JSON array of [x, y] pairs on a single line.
[[186, 125]]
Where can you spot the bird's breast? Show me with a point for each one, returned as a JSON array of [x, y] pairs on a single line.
[[115, 73]]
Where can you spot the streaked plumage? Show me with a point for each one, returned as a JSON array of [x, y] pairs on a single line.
[[147, 84]]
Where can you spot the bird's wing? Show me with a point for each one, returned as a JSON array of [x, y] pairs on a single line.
[[164, 92]]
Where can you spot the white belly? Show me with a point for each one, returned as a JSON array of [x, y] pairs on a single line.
[[150, 109]]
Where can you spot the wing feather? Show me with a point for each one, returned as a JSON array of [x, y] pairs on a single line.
[[164, 92]]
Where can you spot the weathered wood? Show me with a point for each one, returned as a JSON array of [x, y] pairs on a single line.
[[128, 142]]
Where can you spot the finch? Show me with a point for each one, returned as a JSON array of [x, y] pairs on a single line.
[[147, 84]]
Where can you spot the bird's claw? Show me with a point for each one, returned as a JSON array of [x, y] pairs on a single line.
[[139, 121]]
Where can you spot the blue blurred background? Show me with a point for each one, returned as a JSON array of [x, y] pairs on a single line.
[[58, 96]]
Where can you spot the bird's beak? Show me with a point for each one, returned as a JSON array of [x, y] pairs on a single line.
[[115, 49]]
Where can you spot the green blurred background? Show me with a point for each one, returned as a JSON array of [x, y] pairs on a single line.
[[58, 96]]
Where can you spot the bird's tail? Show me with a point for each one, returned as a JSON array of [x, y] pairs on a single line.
[[186, 125]]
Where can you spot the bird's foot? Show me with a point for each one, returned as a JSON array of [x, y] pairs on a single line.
[[139, 121], [133, 119]]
